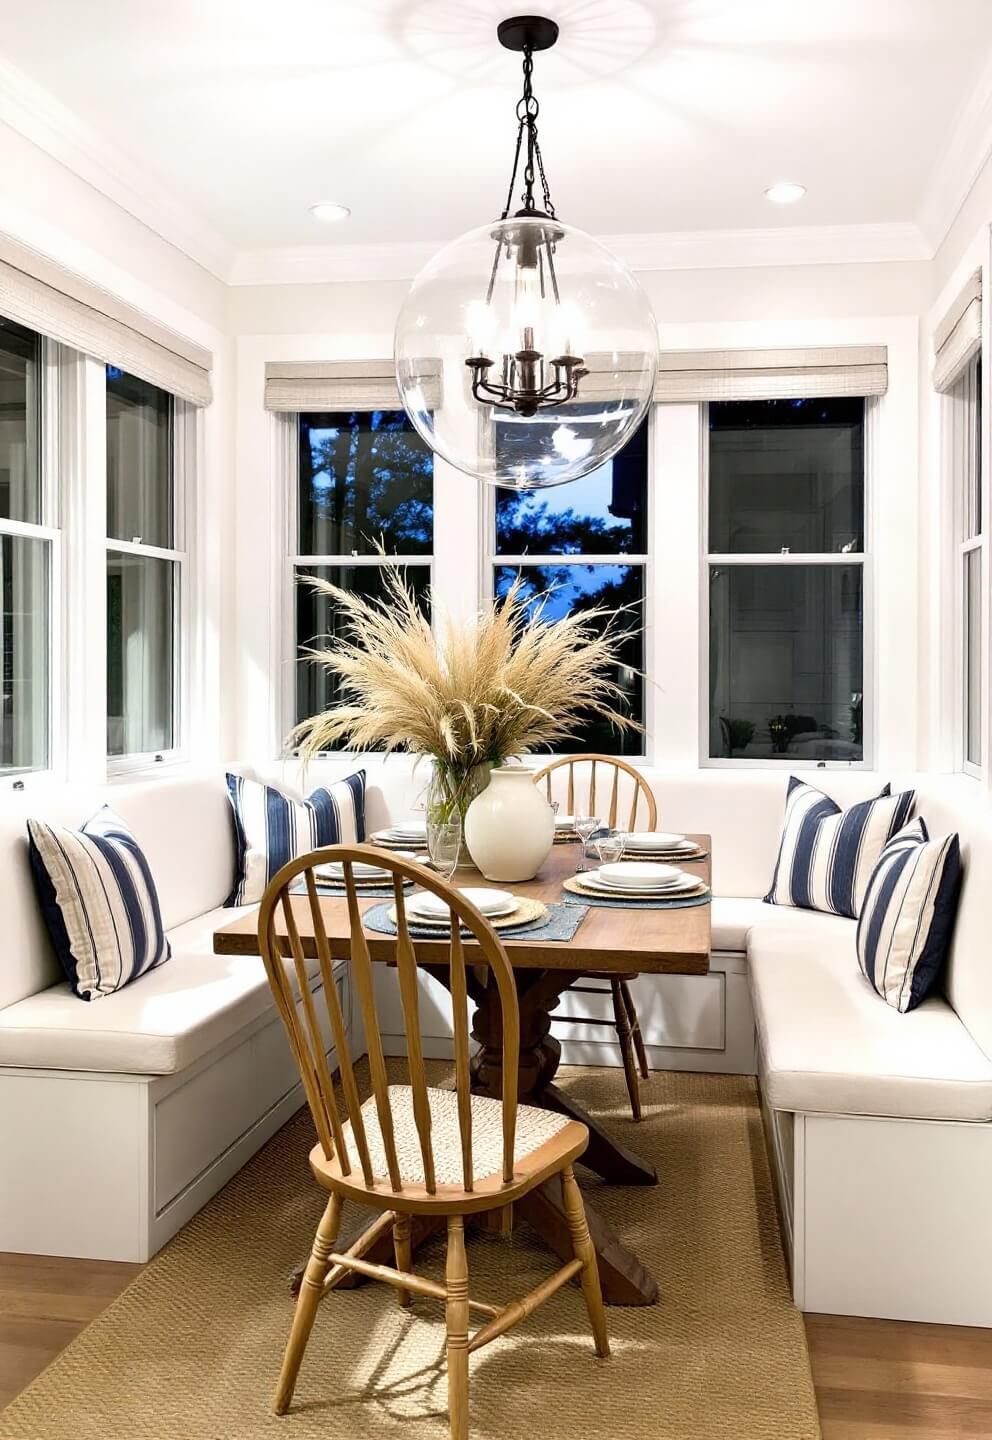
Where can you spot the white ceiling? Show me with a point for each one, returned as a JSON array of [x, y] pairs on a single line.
[[657, 115]]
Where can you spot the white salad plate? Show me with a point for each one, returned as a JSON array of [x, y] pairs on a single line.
[[635, 874], [492, 903], [657, 840]]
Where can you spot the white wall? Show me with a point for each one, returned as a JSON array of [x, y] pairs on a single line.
[[797, 305]]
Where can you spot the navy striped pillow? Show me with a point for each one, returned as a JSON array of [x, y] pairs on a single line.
[[906, 922], [272, 828], [826, 855], [99, 902]]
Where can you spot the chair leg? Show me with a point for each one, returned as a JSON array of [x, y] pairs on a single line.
[[586, 1252], [635, 1030], [626, 1048], [403, 1250], [456, 1315], [311, 1290]]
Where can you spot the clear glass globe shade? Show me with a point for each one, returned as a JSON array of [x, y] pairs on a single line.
[[481, 311]]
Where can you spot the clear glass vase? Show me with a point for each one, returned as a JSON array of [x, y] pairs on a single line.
[[452, 790]]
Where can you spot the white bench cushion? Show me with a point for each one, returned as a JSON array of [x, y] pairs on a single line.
[[830, 1044], [733, 917], [158, 1025]]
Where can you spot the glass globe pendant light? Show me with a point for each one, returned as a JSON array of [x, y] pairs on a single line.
[[526, 354]]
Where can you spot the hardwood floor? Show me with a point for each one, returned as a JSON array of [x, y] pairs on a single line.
[[875, 1379]]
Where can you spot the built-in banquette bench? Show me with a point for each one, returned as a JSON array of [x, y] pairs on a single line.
[[140, 1105]]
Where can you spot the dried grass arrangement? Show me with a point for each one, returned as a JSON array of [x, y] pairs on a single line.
[[508, 682]]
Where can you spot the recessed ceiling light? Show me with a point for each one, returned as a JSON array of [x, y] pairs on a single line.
[[785, 192], [328, 211]]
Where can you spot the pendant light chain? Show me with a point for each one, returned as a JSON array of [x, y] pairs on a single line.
[[527, 112]]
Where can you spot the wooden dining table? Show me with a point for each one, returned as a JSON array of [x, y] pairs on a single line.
[[609, 940]]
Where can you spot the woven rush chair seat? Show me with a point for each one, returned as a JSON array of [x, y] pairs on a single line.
[[534, 1129]]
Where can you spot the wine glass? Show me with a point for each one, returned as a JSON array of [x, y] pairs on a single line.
[[585, 825], [444, 842]]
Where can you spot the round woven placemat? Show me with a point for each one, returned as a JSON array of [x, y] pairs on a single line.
[[526, 911], [575, 886]]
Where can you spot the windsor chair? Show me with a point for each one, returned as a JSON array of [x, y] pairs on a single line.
[[625, 1021], [411, 1150]]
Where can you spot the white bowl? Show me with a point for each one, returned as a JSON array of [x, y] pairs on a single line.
[[564, 822], [639, 873], [655, 840]]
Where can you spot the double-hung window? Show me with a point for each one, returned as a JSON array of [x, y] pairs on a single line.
[[785, 521], [586, 543], [964, 414], [29, 538], [147, 457], [364, 500]]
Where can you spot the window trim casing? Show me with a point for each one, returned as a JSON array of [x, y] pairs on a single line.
[[869, 656], [956, 480]]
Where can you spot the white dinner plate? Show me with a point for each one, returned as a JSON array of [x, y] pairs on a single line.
[[492, 903], [635, 873], [660, 892]]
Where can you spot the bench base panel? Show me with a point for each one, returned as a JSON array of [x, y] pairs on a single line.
[[886, 1218], [109, 1167]]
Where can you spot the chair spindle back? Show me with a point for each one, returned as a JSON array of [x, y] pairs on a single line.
[[609, 770], [292, 930]]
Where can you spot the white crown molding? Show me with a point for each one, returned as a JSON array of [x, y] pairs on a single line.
[[676, 250], [960, 162], [36, 114]]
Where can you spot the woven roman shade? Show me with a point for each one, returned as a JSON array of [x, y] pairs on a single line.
[[37, 292], [779, 374], [342, 385], [958, 337]]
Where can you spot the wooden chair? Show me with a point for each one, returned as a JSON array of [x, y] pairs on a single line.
[[625, 1021], [412, 1150]]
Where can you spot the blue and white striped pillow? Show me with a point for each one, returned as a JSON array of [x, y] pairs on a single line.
[[99, 902], [908, 915], [826, 855], [272, 828]]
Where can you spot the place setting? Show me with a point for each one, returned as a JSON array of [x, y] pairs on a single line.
[[625, 879]]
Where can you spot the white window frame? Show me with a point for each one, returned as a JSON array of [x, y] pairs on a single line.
[[184, 457], [287, 443], [709, 558], [964, 451], [49, 530], [489, 559]]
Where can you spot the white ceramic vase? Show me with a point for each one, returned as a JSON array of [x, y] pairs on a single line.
[[510, 827]]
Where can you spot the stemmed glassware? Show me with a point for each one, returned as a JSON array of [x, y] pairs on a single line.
[[585, 826]]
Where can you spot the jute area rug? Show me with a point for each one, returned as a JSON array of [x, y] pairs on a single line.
[[191, 1350]]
